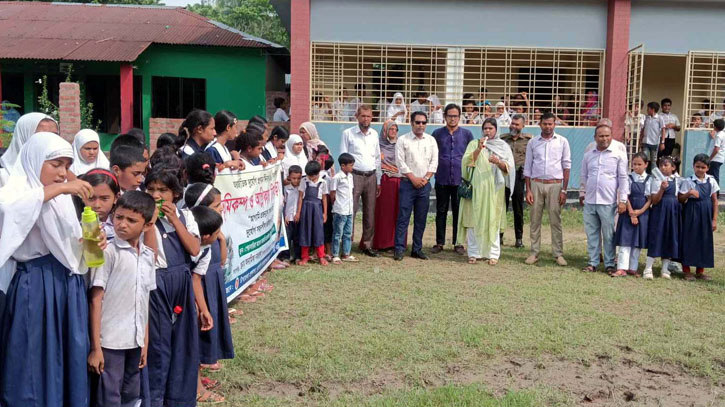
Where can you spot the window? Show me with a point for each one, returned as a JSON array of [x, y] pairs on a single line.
[[175, 97], [532, 81], [705, 89]]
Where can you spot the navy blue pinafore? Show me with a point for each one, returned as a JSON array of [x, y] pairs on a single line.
[[311, 229], [696, 244], [665, 223], [44, 341], [173, 355], [216, 343], [627, 234]]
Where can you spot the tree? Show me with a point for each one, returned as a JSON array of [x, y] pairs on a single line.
[[255, 17]]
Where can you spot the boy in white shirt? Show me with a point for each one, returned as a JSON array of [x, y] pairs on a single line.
[[119, 304], [717, 148], [342, 210], [291, 197]]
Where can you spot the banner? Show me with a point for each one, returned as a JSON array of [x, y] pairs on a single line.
[[252, 203]]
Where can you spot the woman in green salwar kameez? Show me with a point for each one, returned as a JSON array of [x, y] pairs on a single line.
[[489, 165]]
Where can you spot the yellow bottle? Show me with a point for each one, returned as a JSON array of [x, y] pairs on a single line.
[[91, 236]]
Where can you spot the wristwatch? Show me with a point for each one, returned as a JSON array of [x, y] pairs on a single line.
[[563, 191]]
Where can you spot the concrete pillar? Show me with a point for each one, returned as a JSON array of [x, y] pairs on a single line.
[[126, 97]]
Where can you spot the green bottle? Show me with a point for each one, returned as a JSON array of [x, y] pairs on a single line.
[[91, 236], [159, 204]]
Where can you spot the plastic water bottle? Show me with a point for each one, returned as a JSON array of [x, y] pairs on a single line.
[[91, 236]]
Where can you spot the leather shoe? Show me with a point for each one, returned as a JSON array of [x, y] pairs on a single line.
[[419, 255], [519, 244], [436, 249], [460, 250], [398, 256], [370, 253]]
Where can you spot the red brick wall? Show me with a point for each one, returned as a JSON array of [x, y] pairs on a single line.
[[69, 110], [300, 62], [159, 126], [616, 65]]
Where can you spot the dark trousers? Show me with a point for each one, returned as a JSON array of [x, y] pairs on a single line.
[[446, 196], [715, 170], [416, 200], [365, 188], [517, 203], [293, 241], [120, 381], [669, 146]]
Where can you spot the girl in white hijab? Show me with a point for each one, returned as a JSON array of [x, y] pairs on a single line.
[[503, 119], [87, 153], [47, 308], [397, 110], [294, 154], [26, 126]]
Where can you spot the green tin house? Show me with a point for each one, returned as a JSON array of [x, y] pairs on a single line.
[[135, 63]]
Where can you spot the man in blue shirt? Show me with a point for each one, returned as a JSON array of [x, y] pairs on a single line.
[[452, 141]]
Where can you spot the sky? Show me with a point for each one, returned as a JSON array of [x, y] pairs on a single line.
[[181, 3]]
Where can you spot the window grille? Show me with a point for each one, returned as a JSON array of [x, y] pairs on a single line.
[[636, 112], [371, 74], [704, 88]]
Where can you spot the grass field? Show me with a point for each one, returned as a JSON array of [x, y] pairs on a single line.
[[446, 333]]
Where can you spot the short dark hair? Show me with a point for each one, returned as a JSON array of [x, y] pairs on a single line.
[[666, 100], [547, 115], [451, 106], [166, 156], [295, 169], [701, 158], [519, 116], [194, 191], [200, 168], [139, 202], [248, 140], [124, 156], [257, 119], [165, 176], [644, 157], [126, 140], [138, 133], [698, 115], [166, 139], [280, 133], [312, 168], [653, 105], [278, 101], [194, 119], [418, 113], [329, 162], [208, 219], [719, 124], [666, 159], [346, 158]]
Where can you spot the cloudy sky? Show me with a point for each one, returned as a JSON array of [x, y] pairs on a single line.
[[178, 2]]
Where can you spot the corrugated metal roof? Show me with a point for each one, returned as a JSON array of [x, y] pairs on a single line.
[[37, 30]]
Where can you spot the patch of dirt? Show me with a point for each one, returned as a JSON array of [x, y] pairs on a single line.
[[598, 382]]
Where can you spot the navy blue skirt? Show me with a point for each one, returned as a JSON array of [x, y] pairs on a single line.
[[311, 230], [697, 241], [664, 229], [216, 343], [629, 235], [44, 342]]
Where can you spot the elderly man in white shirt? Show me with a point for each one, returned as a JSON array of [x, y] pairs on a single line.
[[416, 156], [362, 143]]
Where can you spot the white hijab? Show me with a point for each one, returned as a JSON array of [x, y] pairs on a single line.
[[504, 120], [80, 166], [395, 107], [24, 128], [290, 158], [22, 207]]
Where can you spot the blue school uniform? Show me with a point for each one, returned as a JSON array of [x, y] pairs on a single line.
[[44, 337], [216, 343], [696, 242], [173, 354], [665, 223], [311, 230], [627, 234]]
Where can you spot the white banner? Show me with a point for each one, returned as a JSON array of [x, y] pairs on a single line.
[[252, 203]]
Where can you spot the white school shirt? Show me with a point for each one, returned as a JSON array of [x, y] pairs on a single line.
[[364, 147], [191, 226], [202, 261], [654, 184], [271, 149], [291, 197], [127, 278], [221, 149], [718, 141], [320, 183], [343, 186], [670, 118], [689, 183], [640, 178], [652, 129], [280, 115]]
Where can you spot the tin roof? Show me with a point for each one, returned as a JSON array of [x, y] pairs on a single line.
[[93, 32]]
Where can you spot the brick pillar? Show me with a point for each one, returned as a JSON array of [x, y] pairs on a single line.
[[300, 63], [126, 97], [69, 110], [616, 65]]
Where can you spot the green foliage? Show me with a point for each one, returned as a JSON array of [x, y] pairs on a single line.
[[4, 108], [45, 105], [255, 17]]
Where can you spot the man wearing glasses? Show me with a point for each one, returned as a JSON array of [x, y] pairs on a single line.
[[416, 156], [452, 141]]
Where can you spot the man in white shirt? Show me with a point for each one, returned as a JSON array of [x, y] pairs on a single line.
[[362, 143], [421, 104], [672, 126], [717, 148], [416, 156]]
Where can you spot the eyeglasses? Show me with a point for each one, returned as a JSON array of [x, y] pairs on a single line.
[[417, 122]]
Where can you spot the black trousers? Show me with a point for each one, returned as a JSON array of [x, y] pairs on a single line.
[[669, 146], [446, 197], [517, 203]]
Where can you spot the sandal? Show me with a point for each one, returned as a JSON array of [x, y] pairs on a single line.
[[472, 260], [589, 269], [350, 258], [633, 273], [209, 397], [232, 320], [302, 262], [336, 260], [248, 298], [689, 277], [619, 273], [209, 384], [703, 277], [265, 287]]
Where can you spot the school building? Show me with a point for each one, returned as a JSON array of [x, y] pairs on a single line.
[[593, 58], [140, 66]]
